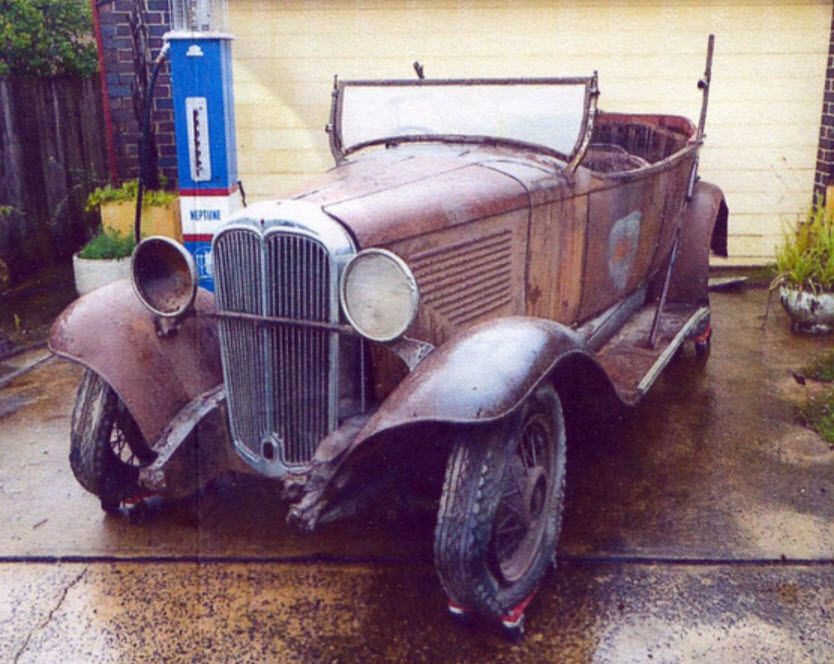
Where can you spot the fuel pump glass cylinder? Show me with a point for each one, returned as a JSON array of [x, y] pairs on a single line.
[[200, 15]]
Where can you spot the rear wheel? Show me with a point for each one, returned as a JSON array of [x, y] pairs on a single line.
[[501, 507], [106, 447]]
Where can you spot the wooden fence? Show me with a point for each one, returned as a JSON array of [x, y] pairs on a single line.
[[52, 154]]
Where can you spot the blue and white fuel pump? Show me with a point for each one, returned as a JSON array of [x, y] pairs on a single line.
[[201, 73]]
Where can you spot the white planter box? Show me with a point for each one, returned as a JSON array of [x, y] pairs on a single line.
[[91, 274]]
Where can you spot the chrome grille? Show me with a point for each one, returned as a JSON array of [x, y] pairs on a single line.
[[280, 378]]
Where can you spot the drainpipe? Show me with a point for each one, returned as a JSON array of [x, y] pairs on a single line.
[[105, 98]]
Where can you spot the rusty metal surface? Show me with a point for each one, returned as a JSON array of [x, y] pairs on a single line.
[[690, 276], [509, 252], [375, 172], [630, 231], [480, 375], [112, 333], [628, 358], [193, 449], [492, 233], [432, 203], [405, 198], [468, 273]]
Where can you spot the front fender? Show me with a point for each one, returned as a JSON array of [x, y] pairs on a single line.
[[109, 331], [482, 374], [478, 376]]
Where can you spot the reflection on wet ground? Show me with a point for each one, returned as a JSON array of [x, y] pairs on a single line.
[[699, 527]]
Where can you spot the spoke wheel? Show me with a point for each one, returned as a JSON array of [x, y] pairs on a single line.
[[521, 516], [501, 507], [106, 447]]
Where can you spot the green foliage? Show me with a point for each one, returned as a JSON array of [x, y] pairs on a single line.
[[108, 244], [820, 368], [46, 38], [128, 192], [817, 413], [805, 260]]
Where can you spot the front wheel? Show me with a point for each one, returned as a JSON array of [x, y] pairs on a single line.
[[501, 507], [106, 447]]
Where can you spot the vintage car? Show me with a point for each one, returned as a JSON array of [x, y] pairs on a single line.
[[484, 254]]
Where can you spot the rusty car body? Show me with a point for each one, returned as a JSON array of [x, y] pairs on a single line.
[[482, 252]]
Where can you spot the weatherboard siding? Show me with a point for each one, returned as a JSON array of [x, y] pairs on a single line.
[[765, 103]]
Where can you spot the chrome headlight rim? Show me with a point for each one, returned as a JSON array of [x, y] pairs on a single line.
[[409, 281], [187, 268]]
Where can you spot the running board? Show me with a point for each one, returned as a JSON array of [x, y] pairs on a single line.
[[631, 364]]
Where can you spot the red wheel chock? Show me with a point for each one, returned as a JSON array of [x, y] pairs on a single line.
[[512, 621], [704, 337]]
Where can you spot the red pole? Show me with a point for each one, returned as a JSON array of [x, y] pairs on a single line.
[[108, 119]]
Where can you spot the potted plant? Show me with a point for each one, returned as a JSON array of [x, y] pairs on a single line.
[[117, 206], [105, 258], [805, 272]]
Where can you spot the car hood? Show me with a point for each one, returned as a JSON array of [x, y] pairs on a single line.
[[397, 193]]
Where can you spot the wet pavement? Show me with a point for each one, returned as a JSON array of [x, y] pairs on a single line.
[[699, 527]]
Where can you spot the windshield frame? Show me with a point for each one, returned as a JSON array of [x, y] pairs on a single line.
[[340, 151]]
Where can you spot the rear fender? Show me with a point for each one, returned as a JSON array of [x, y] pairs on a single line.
[[703, 226], [109, 331]]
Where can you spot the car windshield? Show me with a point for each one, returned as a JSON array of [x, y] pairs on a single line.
[[548, 113]]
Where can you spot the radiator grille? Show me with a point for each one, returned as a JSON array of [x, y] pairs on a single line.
[[279, 378]]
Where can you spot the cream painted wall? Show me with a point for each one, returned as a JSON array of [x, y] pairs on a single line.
[[765, 103]]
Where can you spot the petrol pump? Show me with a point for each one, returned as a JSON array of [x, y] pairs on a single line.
[[201, 74]]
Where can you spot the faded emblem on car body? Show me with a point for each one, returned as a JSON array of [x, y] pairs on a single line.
[[622, 247]]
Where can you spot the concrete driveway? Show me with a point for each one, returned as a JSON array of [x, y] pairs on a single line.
[[698, 528]]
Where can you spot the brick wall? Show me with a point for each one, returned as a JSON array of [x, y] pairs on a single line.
[[824, 175], [131, 35]]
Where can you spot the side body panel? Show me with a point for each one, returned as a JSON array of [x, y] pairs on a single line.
[[112, 333], [631, 222], [556, 249]]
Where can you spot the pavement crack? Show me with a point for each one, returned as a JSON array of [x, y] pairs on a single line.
[[50, 615]]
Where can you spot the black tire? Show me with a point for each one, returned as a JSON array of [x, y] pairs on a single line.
[[106, 447], [501, 507]]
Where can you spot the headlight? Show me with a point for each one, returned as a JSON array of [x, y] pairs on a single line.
[[379, 294], [164, 276]]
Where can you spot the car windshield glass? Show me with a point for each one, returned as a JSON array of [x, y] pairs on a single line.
[[546, 112]]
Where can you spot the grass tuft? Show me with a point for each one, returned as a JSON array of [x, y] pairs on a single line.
[[820, 368], [108, 244], [805, 260]]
